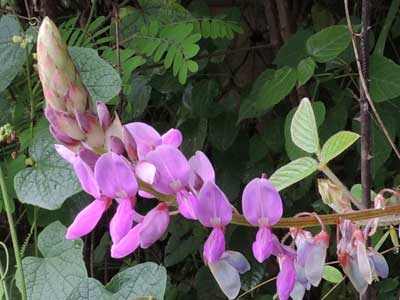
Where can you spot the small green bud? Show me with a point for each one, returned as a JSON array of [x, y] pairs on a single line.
[[17, 39]]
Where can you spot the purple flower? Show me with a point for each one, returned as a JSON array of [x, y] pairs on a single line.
[[201, 171], [116, 179], [88, 218], [286, 276], [226, 272], [172, 176], [148, 139], [149, 230], [262, 207], [311, 255], [213, 210], [361, 264]]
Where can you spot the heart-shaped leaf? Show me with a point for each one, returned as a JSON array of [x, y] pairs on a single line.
[[12, 56], [100, 78], [51, 180], [61, 268]]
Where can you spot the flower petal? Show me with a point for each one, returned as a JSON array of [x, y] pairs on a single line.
[[263, 245], [172, 137], [315, 262], [128, 244], [145, 171], [172, 169], [122, 220], [237, 260], [363, 261], [214, 247], [154, 225], [227, 278], [66, 153], [213, 208], [380, 264], [200, 167], [86, 178], [298, 291], [186, 204], [145, 136], [352, 271], [261, 203], [103, 114], [115, 176], [87, 219], [286, 277]]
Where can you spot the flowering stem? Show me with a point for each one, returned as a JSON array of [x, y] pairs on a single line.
[[14, 238], [311, 221]]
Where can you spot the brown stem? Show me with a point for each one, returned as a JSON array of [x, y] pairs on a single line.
[[364, 83], [273, 27]]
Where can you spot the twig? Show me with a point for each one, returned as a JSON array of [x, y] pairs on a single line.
[[256, 287], [89, 20], [14, 237], [364, 84]]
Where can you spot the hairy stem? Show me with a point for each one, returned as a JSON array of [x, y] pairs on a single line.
[[14, 238]]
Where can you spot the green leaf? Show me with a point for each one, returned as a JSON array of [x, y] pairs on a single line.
[[205, 28], [253, 277], [332, 275], [336, 144], [169, 58], [303, 129], [328, 43], [195, 132], [177, 63], [293, 172], [100, 78], [223, 130], [276, 89], [12, 56], [131, 64], [183, 72], [190, 50], [90, 289], [59, 271], [160, 51], [384, 78], [144, 280], [51, 180], [139, 95], [294, 50], [192, 66], [305, 70]]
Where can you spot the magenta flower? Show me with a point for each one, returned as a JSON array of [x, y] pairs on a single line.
[[172, 176], [213, 210], [88, 218], [148, 139], [149, 230], [286, 277], [201, 171], [262, 207], [116, 179]]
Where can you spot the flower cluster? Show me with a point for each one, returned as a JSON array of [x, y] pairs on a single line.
[[116, 163]]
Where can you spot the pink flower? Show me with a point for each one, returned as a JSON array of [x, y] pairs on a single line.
[[116, 179], [213, 210], [148, 139], [145, 233], [262, 207]]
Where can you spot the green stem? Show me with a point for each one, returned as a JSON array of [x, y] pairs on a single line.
[[380, 44], [30, 89], [328, 172], [4, 282], [14, 238], [88, 22]]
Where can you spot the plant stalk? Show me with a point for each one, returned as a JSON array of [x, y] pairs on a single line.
[[365, 119], [14, 237]]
